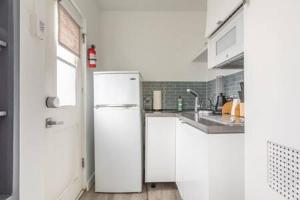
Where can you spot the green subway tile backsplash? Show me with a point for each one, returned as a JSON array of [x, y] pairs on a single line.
[[172, 90], [231, 86]]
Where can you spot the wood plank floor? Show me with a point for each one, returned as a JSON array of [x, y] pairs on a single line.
[[162, 191]]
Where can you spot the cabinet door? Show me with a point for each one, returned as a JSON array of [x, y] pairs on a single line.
[[218, 11], [160, 149], [180, 157], [228, 42], [226, 150], [191, 162]]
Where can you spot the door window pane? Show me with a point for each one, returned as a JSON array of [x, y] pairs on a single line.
[[66, 82], [68, 53]]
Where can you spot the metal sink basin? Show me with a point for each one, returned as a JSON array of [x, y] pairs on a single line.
[[220, 119], [225, 119], [205, 112], [201, 112]]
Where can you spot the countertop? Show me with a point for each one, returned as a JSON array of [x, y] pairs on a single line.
[[209, 124]]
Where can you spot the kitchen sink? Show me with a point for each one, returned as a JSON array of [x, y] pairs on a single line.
[[225, 119], [220, 119], [205, 112], [201, 112]]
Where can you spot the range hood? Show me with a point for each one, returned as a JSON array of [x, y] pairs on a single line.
[[236, 62], [226, 47]]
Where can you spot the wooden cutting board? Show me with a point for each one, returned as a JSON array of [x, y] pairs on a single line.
[[227, 108], [239, 111], [242, 109]]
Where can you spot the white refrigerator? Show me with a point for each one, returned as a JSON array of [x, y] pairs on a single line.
[[118, 132]]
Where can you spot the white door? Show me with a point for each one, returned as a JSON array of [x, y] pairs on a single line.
[[63, 143]]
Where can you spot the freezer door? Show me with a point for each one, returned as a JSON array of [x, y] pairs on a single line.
[[116, 89], [118, 150]]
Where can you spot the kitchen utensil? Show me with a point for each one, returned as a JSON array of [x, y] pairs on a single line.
[[235, 106], [242, 86], [227, 108], [221, 100], [241, 95], [242, 110]]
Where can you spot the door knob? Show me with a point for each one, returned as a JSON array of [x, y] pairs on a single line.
[[52, 102], [50, 122]]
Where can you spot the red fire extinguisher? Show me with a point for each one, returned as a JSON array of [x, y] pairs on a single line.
[[92, 60]]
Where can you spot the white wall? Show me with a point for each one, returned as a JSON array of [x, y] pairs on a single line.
[[33, 69], [161, 45], [272, 49]]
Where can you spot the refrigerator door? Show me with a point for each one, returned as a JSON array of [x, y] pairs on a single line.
[[116, 89], [118, 149]]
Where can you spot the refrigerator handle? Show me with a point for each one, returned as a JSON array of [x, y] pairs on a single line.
[[115, 106]]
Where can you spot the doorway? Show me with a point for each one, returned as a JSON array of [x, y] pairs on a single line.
[[63, 146]]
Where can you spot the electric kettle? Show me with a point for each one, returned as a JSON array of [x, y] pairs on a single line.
[[221, 100]]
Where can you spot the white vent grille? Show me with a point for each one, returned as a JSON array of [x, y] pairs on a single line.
[[283, 170]]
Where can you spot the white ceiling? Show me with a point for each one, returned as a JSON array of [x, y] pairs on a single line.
[[152, 5]]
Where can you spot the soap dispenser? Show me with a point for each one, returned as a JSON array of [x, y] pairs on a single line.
[[179, 104]]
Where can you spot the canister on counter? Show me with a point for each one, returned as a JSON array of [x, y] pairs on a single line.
[[157, 100]]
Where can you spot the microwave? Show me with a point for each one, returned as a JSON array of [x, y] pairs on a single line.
[[226, 46]]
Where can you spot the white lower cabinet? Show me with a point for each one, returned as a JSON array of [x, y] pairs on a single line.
[[160, 149], [191, 159], [209, 166]]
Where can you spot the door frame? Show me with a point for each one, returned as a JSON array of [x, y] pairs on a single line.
[[83, 60], [86, 185], [87, 181], [83, 100]]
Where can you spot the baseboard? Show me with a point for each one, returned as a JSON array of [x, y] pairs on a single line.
[[90, 182], [80, 195]]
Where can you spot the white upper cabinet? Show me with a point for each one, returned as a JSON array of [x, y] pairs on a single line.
[[227, 44], [218, 11]]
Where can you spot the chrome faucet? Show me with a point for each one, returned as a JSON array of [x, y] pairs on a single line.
[[196, 95]]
